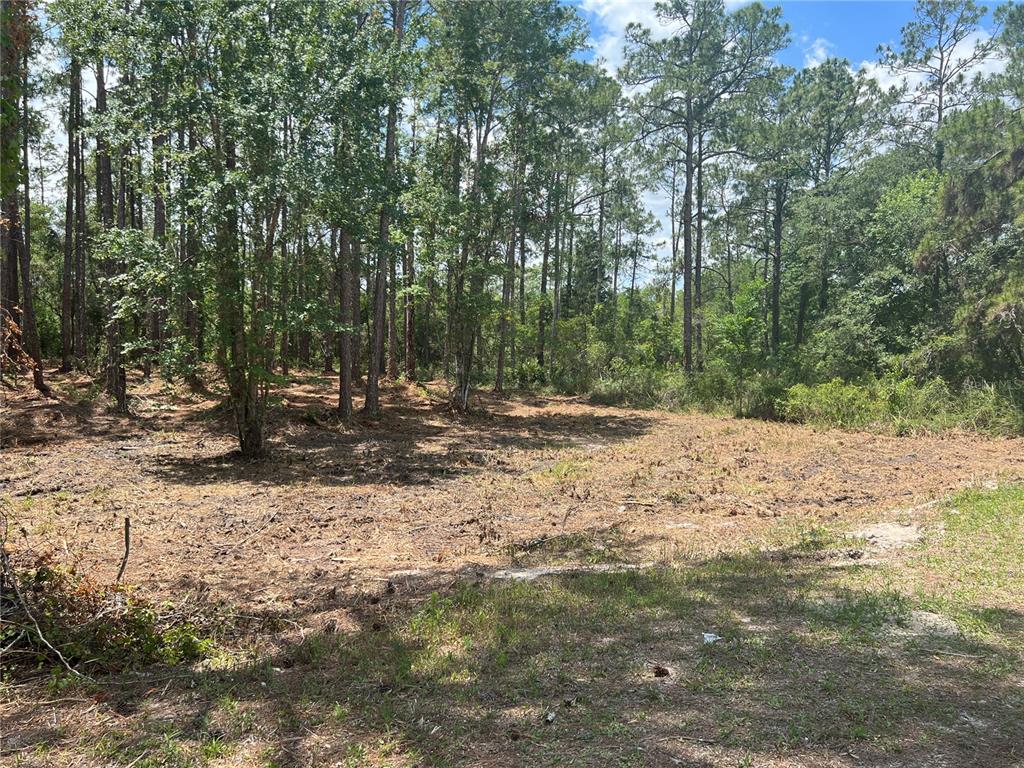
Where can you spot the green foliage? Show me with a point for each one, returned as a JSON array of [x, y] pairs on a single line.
[[902, 405], [96, 627]]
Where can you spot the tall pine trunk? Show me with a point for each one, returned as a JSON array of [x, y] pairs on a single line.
[[345, 347], [408, 270], [698, 261], [372, 403], [29, 334], [67, 288], [776, 285], [688, 248], [115, 375]]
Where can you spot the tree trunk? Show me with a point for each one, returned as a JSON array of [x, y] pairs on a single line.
[[674, 244], [301, 292], [355, 269], [334, 278], [80, 330], [159, 232], [632, 287], [688, 250], [801, 317], [506, 306], [29, 334], [15, 34], [372, 404], [233, 350], [115, 375], [543, 309], [284, 298], [67, 273], [408, 270], [698, 261], [392, 366], [776, 291], [345, 348], [618, 256]]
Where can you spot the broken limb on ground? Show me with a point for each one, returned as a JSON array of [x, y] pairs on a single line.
[[426, 589]]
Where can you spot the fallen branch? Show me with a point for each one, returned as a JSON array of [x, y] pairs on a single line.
[[127, 548], [953, 653], [38, 490], [254, 534], [10, 576], [689, 738]]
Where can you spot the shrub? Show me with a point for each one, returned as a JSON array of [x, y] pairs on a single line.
[[93, 627], [627, 385], [834, 403], [902, 405]]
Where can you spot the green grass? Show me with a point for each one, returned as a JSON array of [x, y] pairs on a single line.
[[974, 572], [816, 663]]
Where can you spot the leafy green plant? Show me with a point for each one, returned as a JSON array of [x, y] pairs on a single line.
[[62, 616]]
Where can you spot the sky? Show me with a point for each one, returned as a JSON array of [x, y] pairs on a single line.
[[850, 29]]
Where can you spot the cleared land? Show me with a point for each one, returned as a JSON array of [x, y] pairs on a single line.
[[353, 575]]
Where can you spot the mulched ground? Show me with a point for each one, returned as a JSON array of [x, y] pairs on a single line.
[[424, 490], [343, 524]]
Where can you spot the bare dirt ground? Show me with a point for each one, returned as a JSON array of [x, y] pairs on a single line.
[[422, 489], [422, 497]]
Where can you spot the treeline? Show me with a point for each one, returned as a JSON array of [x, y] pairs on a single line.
[[388, 189]]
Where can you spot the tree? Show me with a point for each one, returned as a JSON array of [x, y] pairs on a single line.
[[713, 59], [15, 35], [932, 51]]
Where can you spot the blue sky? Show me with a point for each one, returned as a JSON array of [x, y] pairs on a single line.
[[852, 29]]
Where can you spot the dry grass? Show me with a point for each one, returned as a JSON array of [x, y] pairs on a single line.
[[352, 565]]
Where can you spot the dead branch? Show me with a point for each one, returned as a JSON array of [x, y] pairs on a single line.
[[127, 548]]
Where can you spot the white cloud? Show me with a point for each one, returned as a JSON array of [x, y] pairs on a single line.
[[816, 51], [613, 17], [887, 78]]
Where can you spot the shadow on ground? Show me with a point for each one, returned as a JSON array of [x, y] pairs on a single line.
[[603, 669], [412, 444]]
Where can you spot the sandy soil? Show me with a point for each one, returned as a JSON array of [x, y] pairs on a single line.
[[346, 523], [423, 490]]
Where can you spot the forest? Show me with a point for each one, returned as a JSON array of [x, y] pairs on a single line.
[[523, 355], [452, 190]]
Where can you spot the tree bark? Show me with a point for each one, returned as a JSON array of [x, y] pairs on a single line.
[[392, 366], [80, 330], [776, 289], [372, 403], [543, 309], [688, 247], [67, 273], [345, 363], [698, 261], [29, 334], [408, 270], [115, 375]]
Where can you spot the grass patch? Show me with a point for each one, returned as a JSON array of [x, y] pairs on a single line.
[[814, 663], [974, 572], [562, 471], [808, 661]]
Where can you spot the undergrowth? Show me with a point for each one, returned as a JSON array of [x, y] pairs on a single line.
[[56, 617], [892, 404]]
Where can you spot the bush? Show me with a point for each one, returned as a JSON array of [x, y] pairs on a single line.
[[832, 404], [902, 405], [94, 627], [625, 384]]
